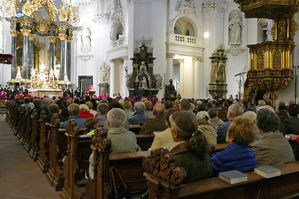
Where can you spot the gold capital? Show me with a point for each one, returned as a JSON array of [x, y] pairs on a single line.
[[31, 36], [69, 39], [52, 39], [62, 36], [14, 33], [25, 32]]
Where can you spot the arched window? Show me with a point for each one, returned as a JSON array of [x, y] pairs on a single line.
[[184, 26]]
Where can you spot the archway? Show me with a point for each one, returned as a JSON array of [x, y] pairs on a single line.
[[185, 26]]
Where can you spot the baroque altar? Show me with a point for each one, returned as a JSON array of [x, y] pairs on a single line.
[[143, 82], [41, 43]]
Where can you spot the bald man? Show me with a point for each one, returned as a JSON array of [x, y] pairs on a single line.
[[157, 124]]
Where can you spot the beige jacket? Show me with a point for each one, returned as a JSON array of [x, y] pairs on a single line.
[[272, 149], [163, 140], [209, 132]]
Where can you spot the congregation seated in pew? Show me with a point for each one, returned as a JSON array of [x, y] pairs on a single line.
[[139, 116], [157, 123], [237, 155], [122, 140], [74, 110]]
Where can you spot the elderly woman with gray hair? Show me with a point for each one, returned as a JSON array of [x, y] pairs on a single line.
[[139, 117], [272, 148]]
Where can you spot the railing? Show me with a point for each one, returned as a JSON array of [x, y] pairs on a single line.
[[185, 40], [117, 43]]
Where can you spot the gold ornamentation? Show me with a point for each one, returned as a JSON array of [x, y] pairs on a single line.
[[14, 33], [62, 36], [11, 6], [52, 39], [69, 39], [25, 32], [43, 25], [31, 36], [25, 22]]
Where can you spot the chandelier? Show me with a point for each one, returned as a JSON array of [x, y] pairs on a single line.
[[65, 9]]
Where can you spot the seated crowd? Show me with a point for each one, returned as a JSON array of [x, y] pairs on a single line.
[[187, 128]]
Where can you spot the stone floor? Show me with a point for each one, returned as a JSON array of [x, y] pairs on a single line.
[[20, 177]]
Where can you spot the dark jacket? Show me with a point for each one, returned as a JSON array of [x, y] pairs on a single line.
[[292, 125], [196, 168], [139, 118], [234, 157], [80, 122], [221, 132], [156, 124]]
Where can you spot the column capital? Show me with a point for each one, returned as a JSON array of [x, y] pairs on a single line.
[[69, 39], [25, 32], [52, 39], [170, 55], [124, 57], [31, 36], [181, 61], [197, 59], [62, 36], [14, 33]]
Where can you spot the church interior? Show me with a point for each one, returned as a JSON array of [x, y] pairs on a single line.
[[149, 99]]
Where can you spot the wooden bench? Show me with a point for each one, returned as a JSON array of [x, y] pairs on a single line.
[[135, 128], [145, 141], [165, 182], [44, 131]]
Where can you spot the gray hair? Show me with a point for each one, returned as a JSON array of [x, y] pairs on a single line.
[[235, 110], [83, 107], [116, 118], [202, 117], [73, 109], [267, 120], [250, 115], [139, 107]]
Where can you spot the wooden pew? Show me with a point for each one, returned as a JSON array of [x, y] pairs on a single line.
[[44, 128], [135, 128], [34, 149], [145, 141], [165, 182], [28, 129]]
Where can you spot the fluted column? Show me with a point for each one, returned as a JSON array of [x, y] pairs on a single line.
[[124, 80], [52, 40], [14, 34], [62, 38], [169, 70], [112, 76], [31, 52], [69, 57], [25, 60]]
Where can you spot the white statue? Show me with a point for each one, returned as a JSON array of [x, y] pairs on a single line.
[[159, 81], [105, 70], [144, 83], [235, 27], [85, 38], [143, 67]]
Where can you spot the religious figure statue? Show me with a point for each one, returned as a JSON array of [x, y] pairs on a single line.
[[85, 38], [170, 92], [159, 81], [105, 70], [235, 27]]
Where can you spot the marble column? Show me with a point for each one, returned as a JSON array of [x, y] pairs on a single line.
[[69, 57], [197, 77], [14, 34], [112, 76], [181, 86], [31, 52], [63, 38], [169, 69], [25, 60], [52, 40]]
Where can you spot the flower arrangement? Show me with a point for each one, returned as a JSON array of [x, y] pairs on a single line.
[[3, 95]]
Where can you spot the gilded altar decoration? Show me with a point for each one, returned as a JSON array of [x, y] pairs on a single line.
[[30, 21], [270, 61], [43, 25], [218, 86]]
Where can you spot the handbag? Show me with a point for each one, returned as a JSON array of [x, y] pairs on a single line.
[[119, 188]]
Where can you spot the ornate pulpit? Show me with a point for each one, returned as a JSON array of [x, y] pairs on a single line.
[[270, 61]]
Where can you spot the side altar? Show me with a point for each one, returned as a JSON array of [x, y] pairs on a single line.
[[143, 82]]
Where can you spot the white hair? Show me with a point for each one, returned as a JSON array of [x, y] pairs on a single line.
[[116, 118], [250, 115]]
